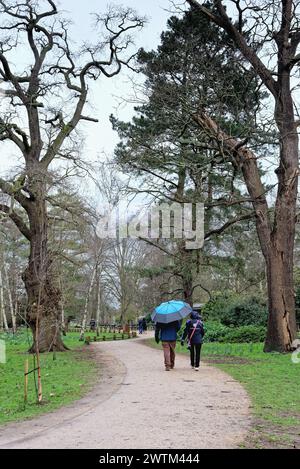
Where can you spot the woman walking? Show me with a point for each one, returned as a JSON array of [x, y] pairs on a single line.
[[194, 331]]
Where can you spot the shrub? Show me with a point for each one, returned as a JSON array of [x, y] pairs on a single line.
[[215, 307], [297, 300], [246, 312], [244, 334], [217, 332], [214, 331]]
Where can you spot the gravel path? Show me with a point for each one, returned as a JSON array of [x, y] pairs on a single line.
[[136, 404]]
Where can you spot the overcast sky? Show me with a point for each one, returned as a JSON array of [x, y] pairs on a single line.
[[105, 92]]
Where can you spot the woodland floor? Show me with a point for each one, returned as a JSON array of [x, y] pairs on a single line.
[[136, 404]]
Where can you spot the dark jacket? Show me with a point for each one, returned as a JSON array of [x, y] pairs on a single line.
[[199, 331], [167, 332], [140, 323]]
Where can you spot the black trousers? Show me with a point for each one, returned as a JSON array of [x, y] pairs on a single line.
[[195, 354]]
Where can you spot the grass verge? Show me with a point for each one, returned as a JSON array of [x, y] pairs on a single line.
[[273, 383], [66, 377]]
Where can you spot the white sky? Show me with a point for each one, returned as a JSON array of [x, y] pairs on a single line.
[[105, 92]]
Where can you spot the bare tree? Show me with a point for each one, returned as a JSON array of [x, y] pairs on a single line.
[[121, 273], [87, 301], [44, 107], [267, 34]]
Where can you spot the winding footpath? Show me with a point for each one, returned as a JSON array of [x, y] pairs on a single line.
[[136, 404]]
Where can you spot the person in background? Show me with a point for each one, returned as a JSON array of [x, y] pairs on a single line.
[[140, 325], [92, 324], [194, 331], [144, 325], [167, 333]]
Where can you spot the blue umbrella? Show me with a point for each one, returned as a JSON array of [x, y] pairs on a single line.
[[171, 311]]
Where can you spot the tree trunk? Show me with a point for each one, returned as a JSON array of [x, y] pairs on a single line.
[[122, 311], [282, 321], [98, 313], [3, 319], [187, 276], [10, 300], [188, 291], [282, 328], [87, 301], [43, 295], [43, 312], [63, 319]]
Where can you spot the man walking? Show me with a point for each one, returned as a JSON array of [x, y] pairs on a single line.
[[167, 333]]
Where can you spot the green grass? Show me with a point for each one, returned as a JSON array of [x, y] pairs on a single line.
[[272, 381], [64, 379]]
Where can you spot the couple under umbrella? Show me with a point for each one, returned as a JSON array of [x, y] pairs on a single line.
[[168, 318]]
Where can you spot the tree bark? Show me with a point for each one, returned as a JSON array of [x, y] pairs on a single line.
[[87, 301], [43, 306], [282, 327], [188, 290], [98, 312], [187, 276], [281, 330]]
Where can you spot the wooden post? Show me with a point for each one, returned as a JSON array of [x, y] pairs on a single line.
[[37, 353], [26, 368], [40, 393]]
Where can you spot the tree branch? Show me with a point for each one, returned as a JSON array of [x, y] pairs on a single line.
[[8, 189], [20, 224], [229, 223], [246, 160]]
